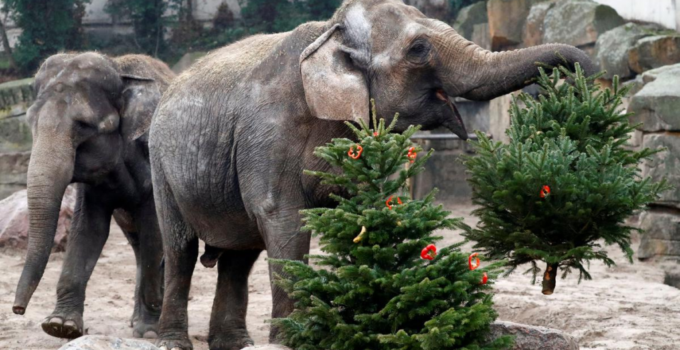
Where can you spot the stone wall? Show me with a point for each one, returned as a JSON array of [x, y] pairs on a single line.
[[15, 135]]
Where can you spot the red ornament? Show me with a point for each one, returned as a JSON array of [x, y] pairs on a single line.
[[376, 134], [388, 202], [356, 155], [412, 155], [473, 256], [429, 252], [545, 191], [485, 278]]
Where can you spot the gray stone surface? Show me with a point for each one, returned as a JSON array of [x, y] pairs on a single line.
[[654, 52], [14, 220], [534, 338], [97, 342], [579, 22], [506, 21], [13, 169], [267, 347], [672, 277], [15, 135], [657, 104], [470, 16], [664, 164], [438, 9], [613, 47], [661, 237], [534, 29], [480, 36]]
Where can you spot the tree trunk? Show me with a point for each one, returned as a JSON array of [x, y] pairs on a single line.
[[550, 279], [5, 45]]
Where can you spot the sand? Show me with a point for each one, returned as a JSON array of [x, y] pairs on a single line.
[[625, 307]]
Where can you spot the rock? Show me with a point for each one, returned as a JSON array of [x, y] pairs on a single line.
[[480, 35], [15, 135], [654, 52], [470, 16], [186, 61], [613, 47], [267, 347], [656, 105], [665, 164], [13, 169], [661, 237], [533, 338], [579, 22], [506, 22], [14, 220], [98, 342], [533, 30], [672, 278]]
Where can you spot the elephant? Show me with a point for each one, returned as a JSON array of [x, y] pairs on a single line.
[[90, 123], [233, 134]]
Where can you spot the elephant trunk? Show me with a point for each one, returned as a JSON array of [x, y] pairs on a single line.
[[478, 74], [50, 170]]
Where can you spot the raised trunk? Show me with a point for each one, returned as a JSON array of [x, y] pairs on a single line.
[[49, 172], [478, 74]]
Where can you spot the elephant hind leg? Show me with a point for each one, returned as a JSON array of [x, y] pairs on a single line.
[[180, 247], [228, 319]]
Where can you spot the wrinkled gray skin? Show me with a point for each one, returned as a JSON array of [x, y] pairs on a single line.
[[90, 126], [233, 134]]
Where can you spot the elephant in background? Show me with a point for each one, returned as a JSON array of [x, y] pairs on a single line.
[[233, 134], [90, 126]]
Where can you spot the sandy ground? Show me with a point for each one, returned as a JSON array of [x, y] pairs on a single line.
[[626, 307]]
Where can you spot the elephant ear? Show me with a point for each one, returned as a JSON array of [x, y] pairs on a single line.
[[140, 98], [334, 88]]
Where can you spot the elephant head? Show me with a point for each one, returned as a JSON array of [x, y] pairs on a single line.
[[87, 107], [413, 65]]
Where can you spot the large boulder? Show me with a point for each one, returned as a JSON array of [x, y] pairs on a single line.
[[654, 52], [15, 134], [438, 9], [98, 342], [14, 220], [13, 169], [664, 165], [661, 236], [506, 22], [613, 48], [533, 338], [579, 22], [534, 28], [656, 105], [470, 16]]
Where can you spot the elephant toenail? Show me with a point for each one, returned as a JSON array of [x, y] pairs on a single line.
[[150, 335], [70, 324], [163, 347]]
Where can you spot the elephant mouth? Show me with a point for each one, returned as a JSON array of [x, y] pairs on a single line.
[[455, 122]]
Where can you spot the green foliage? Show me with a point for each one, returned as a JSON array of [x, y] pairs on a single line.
[[147, 20], [372, 290], [48, 26], [572, 139], [272, 16]]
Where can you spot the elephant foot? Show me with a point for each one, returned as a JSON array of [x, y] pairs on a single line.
[[61, 326], [234, 340], [174, 344], [144, 330]]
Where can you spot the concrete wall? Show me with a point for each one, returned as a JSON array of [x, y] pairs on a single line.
[[663, 12]]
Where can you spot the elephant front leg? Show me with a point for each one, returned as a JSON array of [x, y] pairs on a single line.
[[284, 241], [149, 289], [89, 232], [228, 319]]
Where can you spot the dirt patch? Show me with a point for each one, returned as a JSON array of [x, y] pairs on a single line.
[[626, 307]]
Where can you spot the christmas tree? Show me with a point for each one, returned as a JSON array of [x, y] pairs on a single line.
[[382, 283], [564, 184]]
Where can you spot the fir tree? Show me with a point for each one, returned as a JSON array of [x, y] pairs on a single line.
[[375, 288], [564, 184]]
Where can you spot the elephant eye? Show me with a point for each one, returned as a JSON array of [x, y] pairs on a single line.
[[419, 52]]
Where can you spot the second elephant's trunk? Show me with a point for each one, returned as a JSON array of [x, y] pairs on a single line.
[[49, 172]]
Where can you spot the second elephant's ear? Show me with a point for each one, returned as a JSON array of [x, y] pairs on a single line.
[[140, 98], [334, 88]]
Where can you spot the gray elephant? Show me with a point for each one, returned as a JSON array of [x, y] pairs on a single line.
[[90, 126], [232, 136]]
